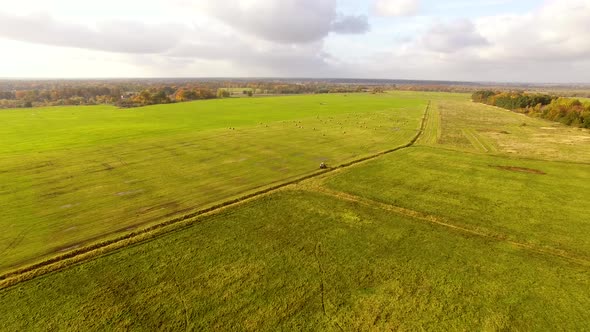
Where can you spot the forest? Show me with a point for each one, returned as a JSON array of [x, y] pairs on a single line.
[[569, 111], [134, 93]]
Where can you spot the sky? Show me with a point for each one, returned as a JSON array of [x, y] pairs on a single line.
[[539, 41]]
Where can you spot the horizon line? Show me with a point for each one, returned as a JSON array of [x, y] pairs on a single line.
[[218, 78]]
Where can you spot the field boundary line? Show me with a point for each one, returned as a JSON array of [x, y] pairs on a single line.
[[441, 222], [93, 250]]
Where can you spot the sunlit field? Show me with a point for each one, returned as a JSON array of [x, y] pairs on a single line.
[[479, 225], [72, 175]]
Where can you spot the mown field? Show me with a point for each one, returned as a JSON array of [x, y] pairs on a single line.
[[478, 226], [466, 126], [302, 260], [544, 204], [69, 175]]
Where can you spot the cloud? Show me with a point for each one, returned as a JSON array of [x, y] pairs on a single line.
[[262, 59], [452, 37], [114, 35], [351, 25], [299, 38], [463, 4], [264, 38], [549, 44], [558, 31], [392, 8], [286, 21]]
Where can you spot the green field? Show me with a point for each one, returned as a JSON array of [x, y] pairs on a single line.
[[480, 225], [300, 260], [487, 129], [531, 202], [69, 175]]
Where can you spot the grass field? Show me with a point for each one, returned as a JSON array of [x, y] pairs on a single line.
[[481, 225], [301, 260], [474, 127], [69, 175], [533, 202]]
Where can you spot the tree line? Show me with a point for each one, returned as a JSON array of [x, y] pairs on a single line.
[[134, 93], [569, 111]]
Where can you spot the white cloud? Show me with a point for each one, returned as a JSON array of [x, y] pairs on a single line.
[[289, 21], [558, 31], [549, 44], [262, 59], [20, 59], [452, 37], [396, 7], [283, 40], [114, 35], [350, 25], [293, 38], [286, 21]]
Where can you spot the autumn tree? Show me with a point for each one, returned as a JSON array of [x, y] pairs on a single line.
[[223, 93]]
